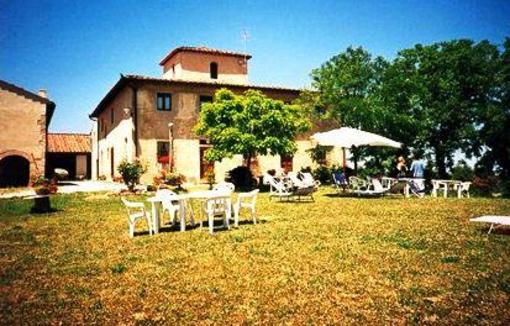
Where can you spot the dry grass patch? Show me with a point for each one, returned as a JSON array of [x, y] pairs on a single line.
[[338, 260]]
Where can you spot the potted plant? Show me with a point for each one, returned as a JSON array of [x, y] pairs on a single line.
[[43, 188], [175, 179], [131, 173], [211, 177]]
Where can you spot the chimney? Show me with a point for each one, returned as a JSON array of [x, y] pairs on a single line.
[[43, 93]]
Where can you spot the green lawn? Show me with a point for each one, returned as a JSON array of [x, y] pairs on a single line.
[[337, 260]]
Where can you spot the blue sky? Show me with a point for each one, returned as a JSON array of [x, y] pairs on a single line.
[[77, 49]]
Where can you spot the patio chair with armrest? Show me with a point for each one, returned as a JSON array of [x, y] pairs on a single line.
[[438, 185], [246, 200], [136, 211], [217, 205], [463, 189]]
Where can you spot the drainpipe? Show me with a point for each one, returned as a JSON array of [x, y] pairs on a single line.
[[134, 104], [97, 149]]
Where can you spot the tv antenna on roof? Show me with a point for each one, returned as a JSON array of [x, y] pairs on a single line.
[[244, 38]]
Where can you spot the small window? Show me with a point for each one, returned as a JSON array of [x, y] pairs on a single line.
[[164, 101], [214, 70], [163, 151], [112, 115], [205, 99]]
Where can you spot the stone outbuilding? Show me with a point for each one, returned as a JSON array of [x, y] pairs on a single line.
[[23, 130], [71, 152]]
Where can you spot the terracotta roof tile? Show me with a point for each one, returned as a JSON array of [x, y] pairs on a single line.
[[69, 143], [202, 49]]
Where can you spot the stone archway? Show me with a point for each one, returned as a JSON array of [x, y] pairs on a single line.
[[14, 170]]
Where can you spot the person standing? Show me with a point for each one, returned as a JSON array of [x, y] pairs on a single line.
[[401, 167], [418, 167]]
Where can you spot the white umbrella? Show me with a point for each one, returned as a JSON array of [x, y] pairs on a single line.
[[346, 137]]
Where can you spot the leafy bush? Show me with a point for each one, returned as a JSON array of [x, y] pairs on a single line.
[[318, 154], [323, 174], [462, 172], [485, 186], [131, 172], [242, 178]]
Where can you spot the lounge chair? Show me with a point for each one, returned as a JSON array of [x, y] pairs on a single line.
[[356, 183], [281, 190], [339, 181], [375, 188], [277, 188], [309, 180], [494, 220], [417, 187]]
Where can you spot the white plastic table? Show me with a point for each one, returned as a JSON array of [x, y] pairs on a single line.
[[436, 185], [184, 205]]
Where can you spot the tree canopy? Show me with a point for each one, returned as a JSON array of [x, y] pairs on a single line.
[[436, 99], [250, 124]]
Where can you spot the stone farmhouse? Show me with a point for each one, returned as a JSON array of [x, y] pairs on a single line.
[[152, 117], [27, 150]]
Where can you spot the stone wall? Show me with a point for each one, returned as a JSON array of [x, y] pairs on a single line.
[[23, 130], [196, 66], [153, 126]]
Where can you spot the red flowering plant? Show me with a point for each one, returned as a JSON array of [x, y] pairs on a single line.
[[43, 186]]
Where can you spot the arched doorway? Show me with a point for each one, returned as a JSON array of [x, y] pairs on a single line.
[[14, 171]]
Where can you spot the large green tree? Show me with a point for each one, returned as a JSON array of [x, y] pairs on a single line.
[[495, 120], [349, 89], [250, 124], [347, 84], [433, 98], [442, 88]]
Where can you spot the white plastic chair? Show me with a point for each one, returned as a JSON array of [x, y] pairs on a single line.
[[225, 186], [277, 188], [439, 186], [463, 189], [218, 205], [246, 200], [168, 196], [136, 211]]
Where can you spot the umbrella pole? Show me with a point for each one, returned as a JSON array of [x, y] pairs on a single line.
[[344, 162]]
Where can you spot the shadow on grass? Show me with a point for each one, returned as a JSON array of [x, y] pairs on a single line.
[[355, 196], [168, 228]]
